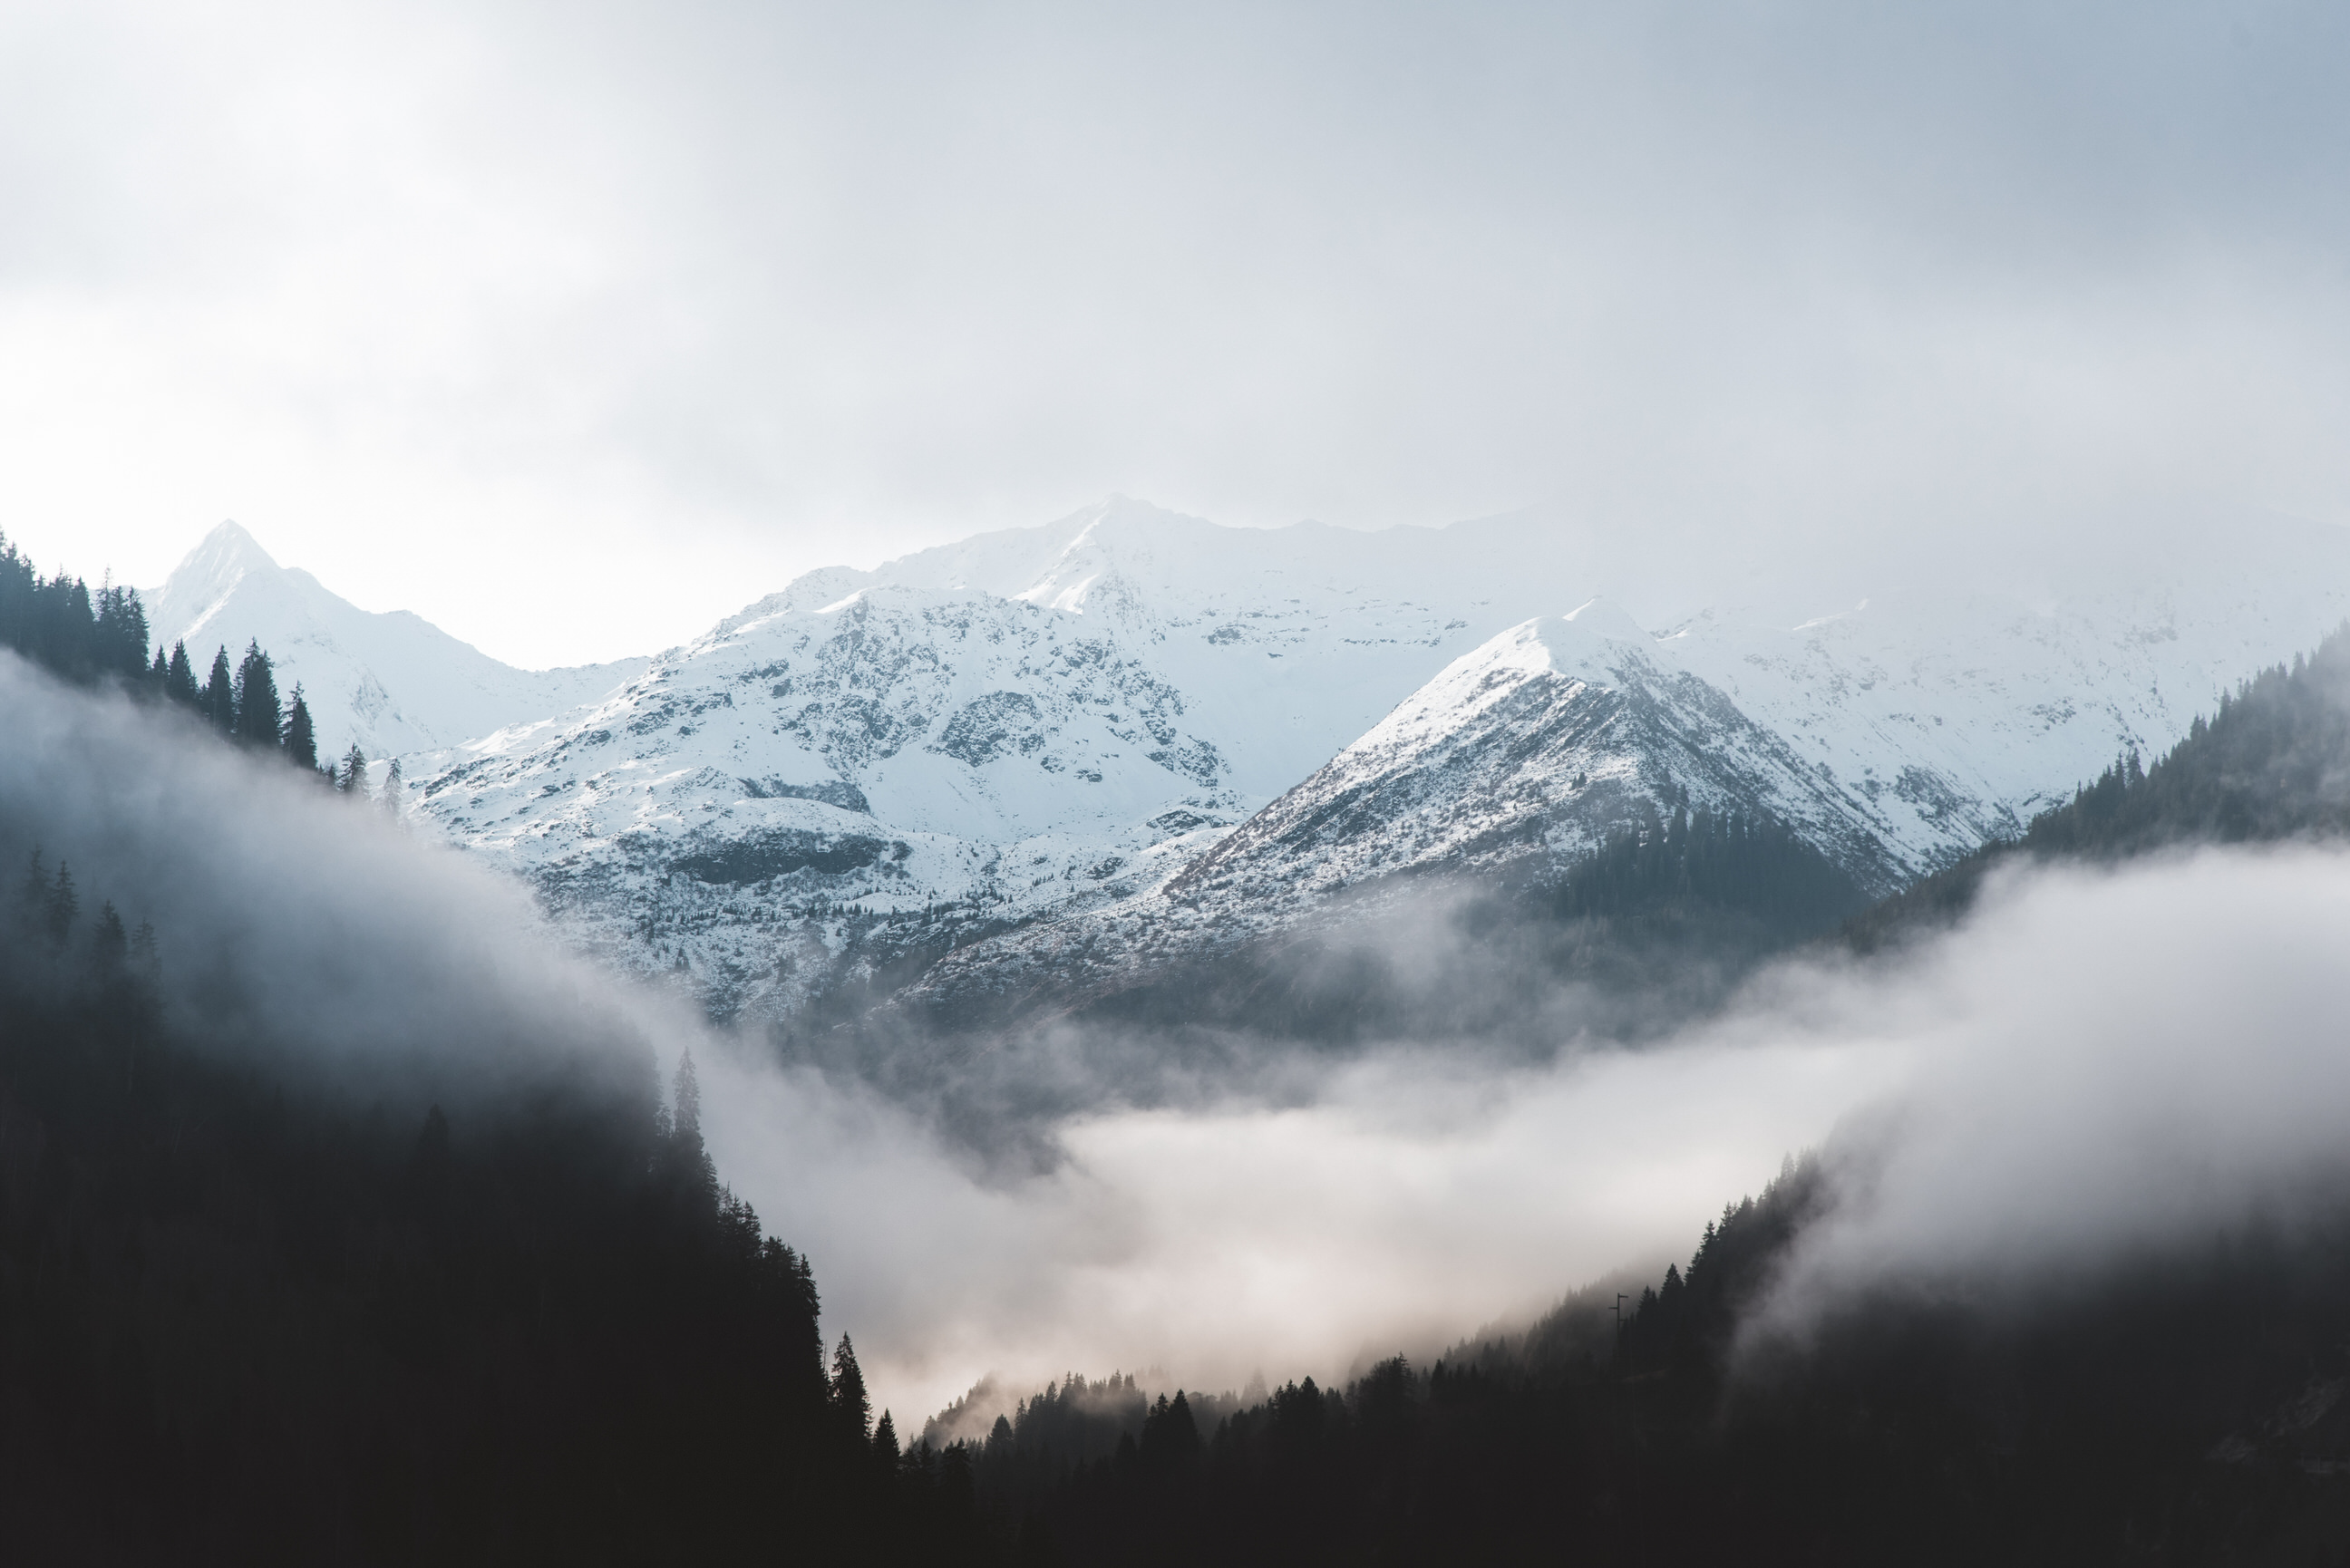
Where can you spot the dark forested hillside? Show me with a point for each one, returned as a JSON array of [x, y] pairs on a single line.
[[332, 1244], [57, 623], [246, 1317], [2183, 1412], [2272, 762]]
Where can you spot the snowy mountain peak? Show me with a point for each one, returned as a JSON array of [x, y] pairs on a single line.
[[229, 548], [389, 684], [1595, 644], [202, 582]]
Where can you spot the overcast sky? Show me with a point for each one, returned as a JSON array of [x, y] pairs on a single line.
[[575, 326]]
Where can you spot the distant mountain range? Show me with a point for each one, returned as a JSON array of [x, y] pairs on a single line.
[[1132, 736]]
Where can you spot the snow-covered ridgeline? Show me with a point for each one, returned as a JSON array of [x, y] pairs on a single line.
[[1043, 726]]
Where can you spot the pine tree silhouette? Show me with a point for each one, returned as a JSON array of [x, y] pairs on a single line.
[[260, 719], [180, 679], [301, 739], [110, 942], [61, 905], [220, 695], [851, 1406]]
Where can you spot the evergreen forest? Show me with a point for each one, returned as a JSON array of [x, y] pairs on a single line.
[[2187, 1411], [94, 639]]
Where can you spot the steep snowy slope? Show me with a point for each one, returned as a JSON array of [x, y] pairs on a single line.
[[393, 682], [1043, 725], [934, 761], [1517, 758], [1534, 744]]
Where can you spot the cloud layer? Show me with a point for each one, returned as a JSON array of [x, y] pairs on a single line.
[[444, 299], [2104, 1065], [2097, 1066]]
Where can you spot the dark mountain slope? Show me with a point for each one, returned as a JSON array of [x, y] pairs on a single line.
[[331, 1231], [2184, 1411]]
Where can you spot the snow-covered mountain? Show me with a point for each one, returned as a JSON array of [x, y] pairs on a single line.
[[1534, 744], [985, 753], [393, 682]]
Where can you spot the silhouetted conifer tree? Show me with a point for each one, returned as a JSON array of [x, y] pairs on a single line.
[[688, 1163], [850, 1404], [180, 679], [220, 695], [352, 779], [260, 719], [120, 629], [62, 905], [110, 942], [301, 739]]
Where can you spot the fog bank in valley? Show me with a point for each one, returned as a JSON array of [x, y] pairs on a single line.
[[2096, 1063]]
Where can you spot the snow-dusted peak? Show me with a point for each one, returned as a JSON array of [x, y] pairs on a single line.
[[225, 555], [389, 683], [191, 598], [1595, 644]]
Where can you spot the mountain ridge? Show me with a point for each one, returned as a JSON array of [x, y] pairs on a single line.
[[390, 683], [1054, 721]]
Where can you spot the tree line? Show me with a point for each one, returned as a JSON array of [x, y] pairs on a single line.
[[2182, 1410], [89, 638], [1745, 863]]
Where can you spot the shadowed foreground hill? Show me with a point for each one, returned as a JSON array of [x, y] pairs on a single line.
[[330, 1233], [2184, 1411]]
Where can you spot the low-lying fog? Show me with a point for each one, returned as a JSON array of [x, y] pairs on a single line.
[[2095, 1062], [1411, 1203]]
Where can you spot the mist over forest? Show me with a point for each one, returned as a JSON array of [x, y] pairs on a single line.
[[1109, 787], [291, 1089]]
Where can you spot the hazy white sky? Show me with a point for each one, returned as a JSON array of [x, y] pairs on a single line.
[[575, 326]]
